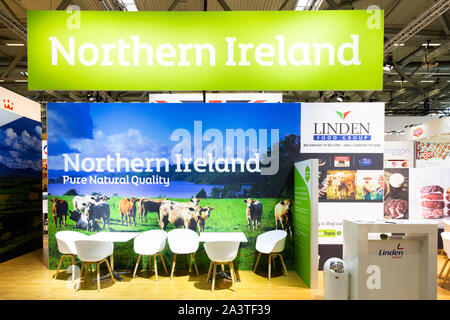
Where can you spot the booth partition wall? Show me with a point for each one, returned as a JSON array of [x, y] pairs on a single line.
[[212, 182]]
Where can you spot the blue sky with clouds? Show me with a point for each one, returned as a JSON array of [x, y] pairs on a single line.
[[144, 130], [20, 143]]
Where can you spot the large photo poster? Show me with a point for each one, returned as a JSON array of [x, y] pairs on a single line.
[[232, 168], [20, 184], [348, 141]]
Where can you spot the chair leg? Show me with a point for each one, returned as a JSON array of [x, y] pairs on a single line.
[[209, 271], [233, 276], [257, 261], [446, 277], [173, 264], [270, 258], [156, 267], [112, 262], [163, 263], [86, 272], [189, 262], [110, 271], [443, 268], [274, 263], [97, 266], [284, 266], [59, 266], [81, 273], [195, 264], [214, 277], [137, 265], [149, 259]]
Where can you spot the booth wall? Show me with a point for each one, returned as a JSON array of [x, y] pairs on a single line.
[[20, 185], [153, 131]]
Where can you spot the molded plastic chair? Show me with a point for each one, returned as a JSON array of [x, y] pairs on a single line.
[[446, 244], [94, 252], [150, 243], [221, 252], [66, 246], [271, 243], [183, 241]]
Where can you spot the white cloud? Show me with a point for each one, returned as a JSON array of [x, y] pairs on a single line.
[[22, 142], [31, 141], [38, 130], [15, 161]]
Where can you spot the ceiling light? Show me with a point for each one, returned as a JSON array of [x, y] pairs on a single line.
[[431, 44], [15, 44], [399, 44], [388, 67], [402, 102], [90, 96], [400, 81], [20, 80], [130, 5], [432, 81], [24, 73], [340, 97], [301, 5]]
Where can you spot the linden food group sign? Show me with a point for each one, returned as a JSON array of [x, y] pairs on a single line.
[[287, 50]]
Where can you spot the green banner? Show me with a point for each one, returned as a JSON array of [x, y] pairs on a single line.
[[305, 221], [286, 50]]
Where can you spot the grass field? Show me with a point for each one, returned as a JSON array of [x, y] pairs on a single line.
[[228, 215], [20, 216]]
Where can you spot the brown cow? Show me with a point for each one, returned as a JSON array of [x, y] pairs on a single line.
[[283, 214], [253, 213], [59, 211], [149, 205], [202, 216], [178, 215], [127, 208]]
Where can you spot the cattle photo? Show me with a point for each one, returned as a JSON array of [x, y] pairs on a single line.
[[341, 185], [59, 211], [137, 183], [283, 215], [205, 215]]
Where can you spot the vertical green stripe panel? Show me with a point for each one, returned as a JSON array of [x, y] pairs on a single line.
[[302, 227]]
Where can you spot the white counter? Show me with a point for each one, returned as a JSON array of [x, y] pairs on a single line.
[[391, 269]]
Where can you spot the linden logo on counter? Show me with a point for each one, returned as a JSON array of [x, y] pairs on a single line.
[[396, 253]]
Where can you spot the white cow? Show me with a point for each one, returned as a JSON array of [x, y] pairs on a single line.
[[80, 202]]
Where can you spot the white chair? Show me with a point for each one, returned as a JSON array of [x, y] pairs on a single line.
[[271, 243], [183, 241], [221, 252], [150, 243], [66, 246], [446, 244], [94, 252]]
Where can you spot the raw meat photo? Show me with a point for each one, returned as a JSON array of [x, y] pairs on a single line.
[[396, 209], [396, 197]]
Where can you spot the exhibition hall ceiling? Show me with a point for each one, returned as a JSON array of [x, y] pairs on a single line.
[[417, 64]]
